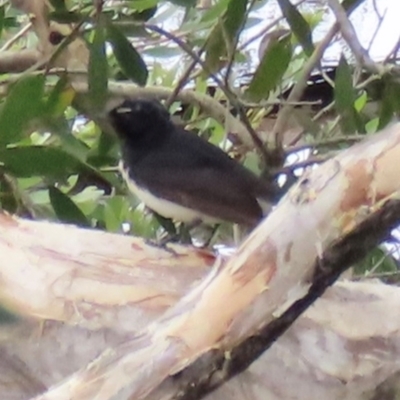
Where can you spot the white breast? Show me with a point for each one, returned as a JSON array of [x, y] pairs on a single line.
[[164, 207]]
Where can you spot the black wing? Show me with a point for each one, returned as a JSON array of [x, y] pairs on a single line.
[[210, 191], [194, 173]]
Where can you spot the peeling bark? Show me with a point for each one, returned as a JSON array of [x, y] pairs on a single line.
[[91, 278]]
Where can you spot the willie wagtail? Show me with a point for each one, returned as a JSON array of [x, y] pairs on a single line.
[[181, 176]]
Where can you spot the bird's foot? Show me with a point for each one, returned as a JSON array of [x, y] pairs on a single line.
[[211, 237], [162, 244]]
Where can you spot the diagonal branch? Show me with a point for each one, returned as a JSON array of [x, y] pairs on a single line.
[[350, 36], [272, 271]]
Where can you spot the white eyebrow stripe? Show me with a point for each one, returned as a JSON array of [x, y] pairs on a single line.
[[123, 110]]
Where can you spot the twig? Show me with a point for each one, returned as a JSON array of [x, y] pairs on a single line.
[[377, 28], [266, 29], [16, 37], [393, 53], [378, 264], [376, 9], [207, 103], [388, 277], [288, 169], [184, 78], [98, 6], [257, 141], [350, 36], [189, 51], [326, 143], [269, 103], [229, 95], [232, 51], [301, 84], [323, 111]]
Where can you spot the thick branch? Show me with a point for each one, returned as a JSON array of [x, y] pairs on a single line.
[[214, 368], [56, 275], [266, 276], [13, 61]]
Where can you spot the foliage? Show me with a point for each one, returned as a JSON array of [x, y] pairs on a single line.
[[57, 164]]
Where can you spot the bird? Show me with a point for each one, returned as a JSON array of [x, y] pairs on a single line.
[[181, 176]]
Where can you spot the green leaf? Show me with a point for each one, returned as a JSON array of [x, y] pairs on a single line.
[[60, 97], [143, 225], [23, 103], [344, 92], [223, 36], [372, 126], [269, 72], [2, 17], [70, 143], [144, 9], [390, 103], [65, 209], [106, 143], [66, 17], [24, 162], [8, 200], [163, 51], [377, 259], [361, 101], [58, 4], [351, 5], [11, 22], [215, 11], [98, 66], [298, 25], [234, 17], [128, 58], [345, 97], [215, 48], [183, 3], [144, 15], [141, 5], [116, 210], [51, 162]]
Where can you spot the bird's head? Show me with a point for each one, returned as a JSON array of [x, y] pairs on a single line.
[[138, 120]]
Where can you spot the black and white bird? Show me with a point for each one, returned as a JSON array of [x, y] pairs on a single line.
[[181, 176]]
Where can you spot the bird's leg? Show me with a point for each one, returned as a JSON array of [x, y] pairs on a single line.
[[236, 234], [161, 244], [184, 233], [212, 236], [166, 223], [171, 233], [181, 235]]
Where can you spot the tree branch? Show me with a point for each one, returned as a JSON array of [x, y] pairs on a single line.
[[267, 275], [18, 61], [350, 36], [301, 84], [215, 368], [70, 283]]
